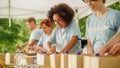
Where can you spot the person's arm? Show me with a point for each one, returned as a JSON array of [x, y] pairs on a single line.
[[87, 36], [52, 40], [39, 48], [115, 50], [29, 45], [51, 48], [70, 44], [115, 39], [89, 47], [32, 42], [23, 45]]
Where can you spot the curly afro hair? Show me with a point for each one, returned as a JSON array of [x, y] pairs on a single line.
[[63, 10]]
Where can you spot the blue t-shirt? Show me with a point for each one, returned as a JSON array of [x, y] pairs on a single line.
[[100, 30], [35, 34], [60, 37], [43, 41]]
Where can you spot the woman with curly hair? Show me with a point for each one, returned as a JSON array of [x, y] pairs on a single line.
[[67, 32]]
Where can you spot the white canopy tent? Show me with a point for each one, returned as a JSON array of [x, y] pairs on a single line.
[[39, 8]]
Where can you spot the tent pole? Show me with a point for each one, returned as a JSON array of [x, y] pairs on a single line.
[[9, 7], [76, 15]]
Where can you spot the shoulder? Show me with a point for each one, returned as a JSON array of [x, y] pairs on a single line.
[[90, 18], [113, 13], [73, 24], [55, 31], [37, 31], [42, 36]]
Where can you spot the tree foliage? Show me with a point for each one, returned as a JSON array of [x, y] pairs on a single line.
[[8, 35]]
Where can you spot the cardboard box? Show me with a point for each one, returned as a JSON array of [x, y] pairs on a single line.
[[44, 61], [75, 61], [2, 57], [64, 60], [101, 62], [55, 60]]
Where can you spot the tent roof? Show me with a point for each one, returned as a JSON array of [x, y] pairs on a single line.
[[39, 8]]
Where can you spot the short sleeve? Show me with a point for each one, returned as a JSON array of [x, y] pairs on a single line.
[[40, 43], [117, 19], [86, 32], [37, 34], [52, 38], [75, 30]]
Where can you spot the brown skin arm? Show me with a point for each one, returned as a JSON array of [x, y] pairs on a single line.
[[114, 40], [115, 50], [53, 49], [89, 47], [70, 44]]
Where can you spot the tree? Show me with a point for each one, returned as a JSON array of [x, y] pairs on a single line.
[[8, 35]]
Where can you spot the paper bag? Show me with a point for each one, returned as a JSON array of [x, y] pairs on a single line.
[[43, 61], [30, 59], [55, 60], [64, 60], [12, 55], [70, 61], [78, 61], [101, 62], [87, 61], [2, 57], [105, 62], [75, 61]]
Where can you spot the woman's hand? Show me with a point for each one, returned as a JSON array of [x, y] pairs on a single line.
[[115, 50]]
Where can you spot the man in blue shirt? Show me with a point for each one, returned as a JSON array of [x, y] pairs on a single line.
[[101, 25], [34, 36]]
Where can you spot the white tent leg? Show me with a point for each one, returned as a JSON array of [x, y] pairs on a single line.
[[9, 22], [9, 7]]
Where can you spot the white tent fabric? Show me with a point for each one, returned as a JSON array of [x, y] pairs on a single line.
[[39, 8]]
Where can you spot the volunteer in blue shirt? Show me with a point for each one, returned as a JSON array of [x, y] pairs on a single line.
[[101, 25], [67, 32], [112, 47], [34, 36], [47, 29]]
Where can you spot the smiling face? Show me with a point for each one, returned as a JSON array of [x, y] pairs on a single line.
[[94, 5], [46, 26], [59, 22], [46, 29]]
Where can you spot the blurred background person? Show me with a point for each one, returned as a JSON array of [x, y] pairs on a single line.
[[34, 36], [47, 28]]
